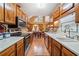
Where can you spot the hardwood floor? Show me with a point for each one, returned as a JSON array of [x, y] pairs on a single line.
[[37, 48]]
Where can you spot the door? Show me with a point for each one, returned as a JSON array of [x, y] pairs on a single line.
[[10, 13], [18, 11], [46, 41], [20, 50], [56, 51], [49, 45], [1, 12], [52, 47], [77, 13]]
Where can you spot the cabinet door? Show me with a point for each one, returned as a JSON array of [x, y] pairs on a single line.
[[77, 13], [20, 50], [10, 13], [18, 12], [52, 48], [66, 52], [9, 51], [30, 39], [49, 45], [56, 51], [1, 13], [66, 7], [56, 48], [56, 13]]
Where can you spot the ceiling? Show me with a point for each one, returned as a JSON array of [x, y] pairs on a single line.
[[38, 9]]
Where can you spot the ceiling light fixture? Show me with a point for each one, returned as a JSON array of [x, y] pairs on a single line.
[[41, 5]]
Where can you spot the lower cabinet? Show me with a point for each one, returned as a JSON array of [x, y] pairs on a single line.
[[56, 48], [11, 51], [20, 51], [46, 40], [66, 52], [20, 48], [56, 51], [49, 45], [16, 49], [30, 39]]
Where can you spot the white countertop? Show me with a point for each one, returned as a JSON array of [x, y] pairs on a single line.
[[7, 42], [72, 46]]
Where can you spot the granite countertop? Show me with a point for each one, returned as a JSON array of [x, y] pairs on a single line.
[[71, 45], [7, 42]]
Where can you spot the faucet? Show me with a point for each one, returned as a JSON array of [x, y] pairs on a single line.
[[67, 27], [69, 33]]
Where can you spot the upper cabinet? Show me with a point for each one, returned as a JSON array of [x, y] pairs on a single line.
[[1, 13], [20, 13], [77, 13], [66, 7], [23, 16], [56, 13], [10, 13]]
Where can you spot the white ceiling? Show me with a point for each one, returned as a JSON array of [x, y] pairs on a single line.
[[33, 10]]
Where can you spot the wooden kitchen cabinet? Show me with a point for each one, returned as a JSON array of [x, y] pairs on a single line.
[[23, 16], [11, 51], [30, 39], [56, 51], [66, 52], [10, 13], [57, 48], [46, 40], [20, 48], [56, 13], [1, 12], [18, 11], [52, 47], [77, 13], [49, 45], [65, 7]]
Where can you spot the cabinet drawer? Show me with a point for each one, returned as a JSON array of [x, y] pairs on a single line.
[[57, 44], [19, 43], [8, 51], [66, 52]]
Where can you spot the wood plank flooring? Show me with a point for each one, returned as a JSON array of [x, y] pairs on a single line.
[[38, 48]]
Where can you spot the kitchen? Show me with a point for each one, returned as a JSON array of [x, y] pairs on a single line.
[[39, 29]]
